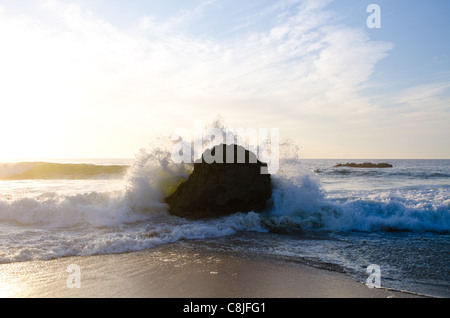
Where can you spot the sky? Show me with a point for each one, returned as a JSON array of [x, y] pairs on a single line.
[[104, 78]]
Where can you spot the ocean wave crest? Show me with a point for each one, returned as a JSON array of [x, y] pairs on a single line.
[[60, 171], [306, 206], [136, 216], [298, 201]]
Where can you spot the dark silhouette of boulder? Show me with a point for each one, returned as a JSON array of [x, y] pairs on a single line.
[[364, 165], [228, 179]]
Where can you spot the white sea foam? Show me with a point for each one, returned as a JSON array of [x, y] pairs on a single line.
[[134, 217], [301, 202], [395, 210], [72, 222], [54, 218]]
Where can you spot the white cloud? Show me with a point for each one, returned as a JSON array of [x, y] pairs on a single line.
[[74, 65], [423, 109], [417, 94]]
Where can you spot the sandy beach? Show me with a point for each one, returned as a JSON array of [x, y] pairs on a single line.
[[178, 271]]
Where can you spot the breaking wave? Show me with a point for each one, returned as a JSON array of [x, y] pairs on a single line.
[[60, 171], [134, 216]]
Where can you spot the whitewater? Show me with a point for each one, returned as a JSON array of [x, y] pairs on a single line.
[[338, 218]]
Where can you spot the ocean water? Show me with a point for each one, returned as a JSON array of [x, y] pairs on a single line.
[[342, 219]]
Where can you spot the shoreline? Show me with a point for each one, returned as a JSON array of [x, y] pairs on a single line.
[[179, 270]]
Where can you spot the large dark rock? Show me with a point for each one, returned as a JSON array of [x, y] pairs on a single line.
[[224, 186]]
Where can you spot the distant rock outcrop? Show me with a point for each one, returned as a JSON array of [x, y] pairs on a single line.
[[221, 188], [364, 165]]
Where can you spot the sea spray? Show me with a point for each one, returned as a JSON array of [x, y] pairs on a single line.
[[42, 219], [151, 178], [191, 146]]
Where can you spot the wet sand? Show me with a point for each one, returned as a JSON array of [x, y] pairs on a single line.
[[175, 271]]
